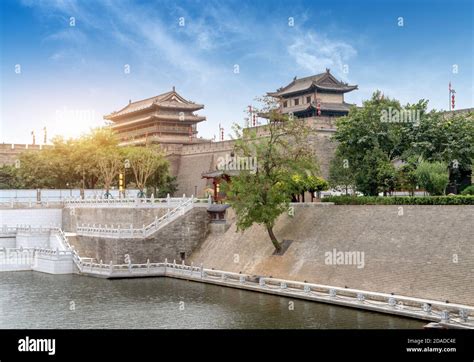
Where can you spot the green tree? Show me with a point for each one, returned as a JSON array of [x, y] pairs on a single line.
[[84, 156], [316, 184], [109, 161], [9, 178], [449, 139], [375, 173], [406, 175], [34, 170], [369, 138], [281, 150], [433, 176], [146, 163], [382, 131], [167, 186], [341, 175], [307, 182]]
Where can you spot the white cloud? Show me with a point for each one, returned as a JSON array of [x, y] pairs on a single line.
[[314, 52]]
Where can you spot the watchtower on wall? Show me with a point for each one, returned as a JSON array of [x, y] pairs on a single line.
[[318, 95], [165, 119]]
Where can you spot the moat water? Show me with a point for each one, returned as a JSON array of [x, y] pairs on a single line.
[[37, 300]]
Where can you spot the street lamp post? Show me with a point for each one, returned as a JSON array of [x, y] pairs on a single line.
[[122, 182]]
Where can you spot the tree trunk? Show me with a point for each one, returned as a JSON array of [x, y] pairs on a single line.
[[275, 242]]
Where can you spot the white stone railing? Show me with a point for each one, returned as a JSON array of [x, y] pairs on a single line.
[[29, 204], [17, 256], [92, 268], [27, 256], [65, 242], [13, 230], [444, 312], [96, 202], [8, 230], [130, 202], [393, 301], [143, 232]]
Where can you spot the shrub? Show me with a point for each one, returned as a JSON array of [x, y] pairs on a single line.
[[401, 200], [433, 177], [468, 190]]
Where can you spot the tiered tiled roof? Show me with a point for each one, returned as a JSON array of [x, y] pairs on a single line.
[[322, 82], [168, 100]]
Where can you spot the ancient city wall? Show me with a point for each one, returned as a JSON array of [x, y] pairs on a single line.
[[426, 252], [199, 158], [9, 152]]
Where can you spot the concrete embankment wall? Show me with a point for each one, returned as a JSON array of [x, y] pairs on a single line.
[[35, 217], [138, 217], [182, 235], [31, 216], [426, 252]]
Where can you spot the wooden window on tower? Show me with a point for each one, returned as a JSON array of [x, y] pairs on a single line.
[[285, 104], [308, 99], [297, 101]]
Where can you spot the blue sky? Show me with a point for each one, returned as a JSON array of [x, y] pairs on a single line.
[[70, 76]]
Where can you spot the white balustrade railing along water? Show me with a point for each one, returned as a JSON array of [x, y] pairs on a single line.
[[143, 232], [450, 313]]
